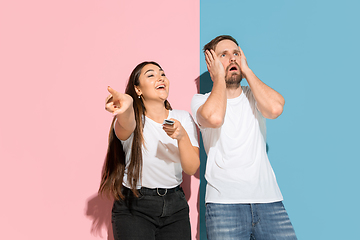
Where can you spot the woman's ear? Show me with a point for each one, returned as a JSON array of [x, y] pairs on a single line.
[[137, 90]]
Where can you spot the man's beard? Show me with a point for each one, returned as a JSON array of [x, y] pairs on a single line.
[[233, 79]]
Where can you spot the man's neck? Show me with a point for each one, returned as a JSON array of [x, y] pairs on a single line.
[[233, 92]]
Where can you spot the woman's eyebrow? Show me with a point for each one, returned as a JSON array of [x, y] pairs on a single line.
[[148, 71]]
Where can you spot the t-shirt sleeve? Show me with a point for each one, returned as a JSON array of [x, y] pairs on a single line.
[[126, 142], [251, 98], [190, 127], [196, 102], [261, 119]]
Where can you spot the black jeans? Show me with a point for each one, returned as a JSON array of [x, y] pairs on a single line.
[[154, 215]]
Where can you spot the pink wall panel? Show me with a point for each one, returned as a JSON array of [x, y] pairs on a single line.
[[56, 58]]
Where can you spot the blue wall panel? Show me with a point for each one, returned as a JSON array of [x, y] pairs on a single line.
[[309, 52]]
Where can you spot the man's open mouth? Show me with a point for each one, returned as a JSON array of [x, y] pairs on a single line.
[[233, 68]]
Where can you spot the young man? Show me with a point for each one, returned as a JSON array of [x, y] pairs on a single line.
[[243, 200]]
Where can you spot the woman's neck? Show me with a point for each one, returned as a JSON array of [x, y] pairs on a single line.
[[156, 111]]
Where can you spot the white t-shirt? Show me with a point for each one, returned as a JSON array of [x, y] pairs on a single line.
[[238, 169], [161, 158]]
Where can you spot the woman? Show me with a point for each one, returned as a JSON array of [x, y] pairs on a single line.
[[143, 170]]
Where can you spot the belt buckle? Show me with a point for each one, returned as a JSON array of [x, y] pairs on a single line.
[[161, 195]]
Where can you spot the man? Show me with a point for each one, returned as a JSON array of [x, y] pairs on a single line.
[[243, 200]]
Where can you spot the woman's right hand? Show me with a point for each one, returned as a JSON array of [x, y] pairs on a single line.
[[117, 103]]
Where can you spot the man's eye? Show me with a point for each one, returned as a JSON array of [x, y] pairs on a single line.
[[222, 55], [236, 54]]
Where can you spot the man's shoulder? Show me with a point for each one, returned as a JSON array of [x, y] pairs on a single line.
[[246, 89], [200, 97], [248, 93]]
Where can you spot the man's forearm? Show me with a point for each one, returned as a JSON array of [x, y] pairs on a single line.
[[269, 102], [212, 112]]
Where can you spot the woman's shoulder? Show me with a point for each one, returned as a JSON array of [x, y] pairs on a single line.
[[185, 118], [178, 112]]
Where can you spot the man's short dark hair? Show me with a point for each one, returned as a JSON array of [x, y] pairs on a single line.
[[212, 44]]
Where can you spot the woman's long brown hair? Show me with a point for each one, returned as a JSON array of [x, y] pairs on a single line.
[[114, 165]]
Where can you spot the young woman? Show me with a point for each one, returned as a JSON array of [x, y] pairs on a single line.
[[146, 157]]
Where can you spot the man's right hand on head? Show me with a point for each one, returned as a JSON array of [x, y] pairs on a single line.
[[214, 66]]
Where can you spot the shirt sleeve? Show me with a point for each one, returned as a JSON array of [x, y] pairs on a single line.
[[124, 142], [190, 127], [197, 101], [261, 119], [247, 91]]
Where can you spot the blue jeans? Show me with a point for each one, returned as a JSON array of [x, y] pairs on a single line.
[[260, 221], [154, 215]]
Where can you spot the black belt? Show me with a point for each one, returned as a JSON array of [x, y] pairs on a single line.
[[158, 191], [152, 191]]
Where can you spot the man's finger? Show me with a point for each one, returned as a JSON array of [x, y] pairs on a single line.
[[207, 60], [207, 57], [241, 52], [213, 54]]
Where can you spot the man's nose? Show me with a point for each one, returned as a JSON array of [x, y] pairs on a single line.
[[232, 58]]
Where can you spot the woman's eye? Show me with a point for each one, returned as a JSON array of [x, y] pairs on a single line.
[[163, 74], [150, 75]]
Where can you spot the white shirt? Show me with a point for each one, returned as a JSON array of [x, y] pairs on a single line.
[[238, 169], [161, 158]]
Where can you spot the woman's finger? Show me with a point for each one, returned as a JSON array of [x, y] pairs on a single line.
[[109, 107], [112, 91], [109, 99]]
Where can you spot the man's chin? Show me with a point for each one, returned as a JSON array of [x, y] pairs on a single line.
[[233, 83], [234, 78]]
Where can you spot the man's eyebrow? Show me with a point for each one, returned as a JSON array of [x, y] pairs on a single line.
[[227, 51]]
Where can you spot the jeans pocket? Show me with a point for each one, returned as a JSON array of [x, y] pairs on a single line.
[[140, 196], [181, 193], [119, 207]]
